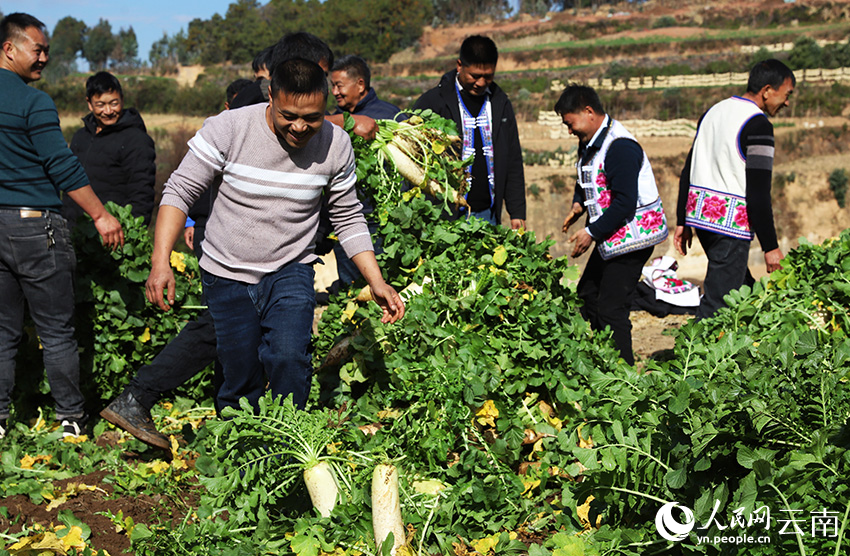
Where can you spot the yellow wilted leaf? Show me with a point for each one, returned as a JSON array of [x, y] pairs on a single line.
[[42, 544], [583, 512], [145, 336], [23, 543], [73, 539], [348, 312], [549, 414], [177, 261], [333, 447], [584, 442], [338, 551], [500, 255], [391, 413], [538, 444], [485, 545], [174, 447], [370, 430], [71, 490], [75, 439], [529, 485], [429, 486], [27, 462], [158, 466], [487, 414], [438, 147]]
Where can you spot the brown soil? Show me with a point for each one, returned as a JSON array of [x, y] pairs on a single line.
[[90, 507]]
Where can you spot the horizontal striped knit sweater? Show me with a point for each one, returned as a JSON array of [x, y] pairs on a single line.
[[266, 210], [35, 161]]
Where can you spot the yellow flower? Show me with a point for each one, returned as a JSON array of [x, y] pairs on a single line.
[[177, 260]]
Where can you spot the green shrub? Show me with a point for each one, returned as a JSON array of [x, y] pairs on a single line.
[[558, 182], [664, 21], [838, 185], [155, 94], [805, 54]]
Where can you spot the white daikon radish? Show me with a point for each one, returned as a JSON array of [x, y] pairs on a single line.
[[322, 487], [386, 510]]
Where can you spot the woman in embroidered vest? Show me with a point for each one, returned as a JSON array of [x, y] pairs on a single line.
[[724, 190], [625, 218]]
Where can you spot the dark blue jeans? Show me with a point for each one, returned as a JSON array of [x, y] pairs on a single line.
[[728, 270], [41, 272], [487, 214], [189, 353], [263, 334]]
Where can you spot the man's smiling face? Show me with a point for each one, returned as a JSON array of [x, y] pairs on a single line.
[[296, 118]]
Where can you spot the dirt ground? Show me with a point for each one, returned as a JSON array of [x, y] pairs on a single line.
[[94, 506]]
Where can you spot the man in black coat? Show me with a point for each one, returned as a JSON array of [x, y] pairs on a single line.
[[115, 150], [486, 121]]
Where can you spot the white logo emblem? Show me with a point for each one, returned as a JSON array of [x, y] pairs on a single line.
[[667, 525]]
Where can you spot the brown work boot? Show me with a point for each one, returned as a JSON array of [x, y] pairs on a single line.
[[127, 413]]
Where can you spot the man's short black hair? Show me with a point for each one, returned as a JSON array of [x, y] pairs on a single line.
[[576, 97], [234, 88], [770, 72], [263, 59], [356, 67], [15, 25], [478, 50], [301, 45], [299, 77], [102, 82]]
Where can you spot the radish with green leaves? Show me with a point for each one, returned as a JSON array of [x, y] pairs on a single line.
[[424, 150]]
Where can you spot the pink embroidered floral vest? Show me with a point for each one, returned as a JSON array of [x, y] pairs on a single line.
[[649, 225]]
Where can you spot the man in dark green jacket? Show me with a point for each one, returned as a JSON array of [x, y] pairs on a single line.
[[36, 258], [486, 121]]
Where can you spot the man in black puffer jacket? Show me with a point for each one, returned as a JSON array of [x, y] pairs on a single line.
[[487, 124], [115, 150]]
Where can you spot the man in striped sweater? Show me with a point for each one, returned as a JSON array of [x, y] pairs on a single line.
[[275, 160], [36, 257], [724, 189]]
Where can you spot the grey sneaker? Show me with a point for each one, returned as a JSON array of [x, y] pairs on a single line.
[[2, 428], [127, 413]]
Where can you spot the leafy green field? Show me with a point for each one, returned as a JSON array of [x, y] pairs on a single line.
[[515, 428]]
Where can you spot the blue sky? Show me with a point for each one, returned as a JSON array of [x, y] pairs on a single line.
[[149, 18]]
